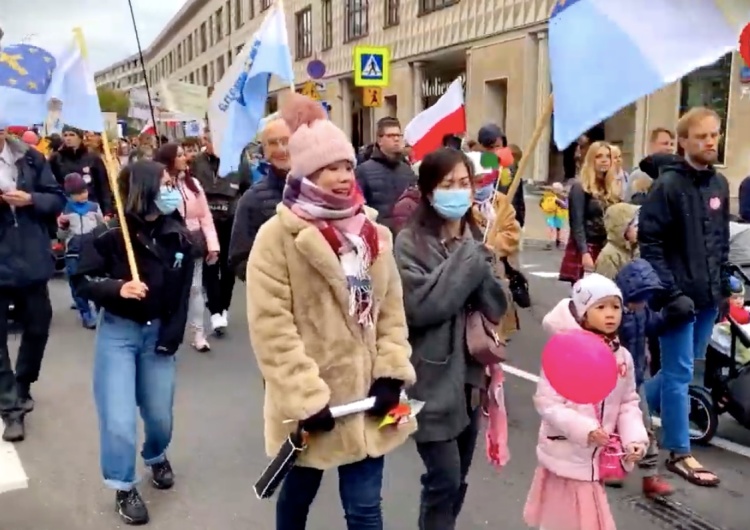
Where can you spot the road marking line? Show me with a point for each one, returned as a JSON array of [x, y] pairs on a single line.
[[529, 265], [543, 274], [716, 441], [12, 474]]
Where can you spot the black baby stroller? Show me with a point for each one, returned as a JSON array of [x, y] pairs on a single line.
[[727, 378]]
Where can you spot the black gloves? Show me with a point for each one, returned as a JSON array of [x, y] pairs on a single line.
[[680, 310], [387, 394], [321, 421]]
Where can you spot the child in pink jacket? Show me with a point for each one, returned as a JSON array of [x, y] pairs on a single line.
[[567, 493]]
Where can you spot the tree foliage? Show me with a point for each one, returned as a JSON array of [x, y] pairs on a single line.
[[113, 101]]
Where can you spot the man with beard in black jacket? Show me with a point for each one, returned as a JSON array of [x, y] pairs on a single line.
[[30, 201], [386, 174], [75, 157], [223, 195], [258, 205], [684, 234]]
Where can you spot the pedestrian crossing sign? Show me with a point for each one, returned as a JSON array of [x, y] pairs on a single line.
[[372, 97], [310, 90], [372, 66]]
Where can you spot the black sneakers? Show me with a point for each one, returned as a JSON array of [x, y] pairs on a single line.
[[131, 508], [130, 505], [14, 430], [162, 476]]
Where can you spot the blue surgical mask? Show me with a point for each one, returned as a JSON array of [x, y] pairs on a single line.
[[484, 193], [451, 204], [169, 200]]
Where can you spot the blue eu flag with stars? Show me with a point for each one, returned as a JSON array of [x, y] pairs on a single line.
[[25, 75]]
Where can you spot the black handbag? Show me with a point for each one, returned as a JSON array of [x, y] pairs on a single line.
[[518, 285], [198, 244]]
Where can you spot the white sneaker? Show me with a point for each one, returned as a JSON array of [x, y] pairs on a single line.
[[199, 341], [218, 324], [225, 316]]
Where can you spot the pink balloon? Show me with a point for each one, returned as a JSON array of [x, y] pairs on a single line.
[[580, 366]]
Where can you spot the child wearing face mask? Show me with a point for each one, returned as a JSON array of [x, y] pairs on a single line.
[[141, 325], [567, 492], [80, 217]]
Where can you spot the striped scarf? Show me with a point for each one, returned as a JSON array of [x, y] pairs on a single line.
[[348, 231]]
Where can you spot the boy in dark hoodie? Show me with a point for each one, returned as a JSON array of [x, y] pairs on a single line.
[[638, 282]]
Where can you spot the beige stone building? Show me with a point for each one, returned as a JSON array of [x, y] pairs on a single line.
[[498, 47]]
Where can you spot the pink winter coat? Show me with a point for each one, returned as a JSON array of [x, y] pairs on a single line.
[[197, 214], [563, 446]]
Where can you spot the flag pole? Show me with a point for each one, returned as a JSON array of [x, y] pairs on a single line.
[[112, 173], [145, 73]]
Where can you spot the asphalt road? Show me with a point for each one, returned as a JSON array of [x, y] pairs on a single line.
[[218, 451]]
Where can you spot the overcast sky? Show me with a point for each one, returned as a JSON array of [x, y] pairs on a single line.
[[106, 23]]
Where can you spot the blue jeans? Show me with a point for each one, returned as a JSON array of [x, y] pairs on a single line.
[[360, 485], [82, 305], [667, 391], [130, 375]]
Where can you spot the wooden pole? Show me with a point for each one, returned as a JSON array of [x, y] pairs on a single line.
[[112, 173]]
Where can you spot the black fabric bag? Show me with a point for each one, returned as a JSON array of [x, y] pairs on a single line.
[[518, 284], [198, 244]]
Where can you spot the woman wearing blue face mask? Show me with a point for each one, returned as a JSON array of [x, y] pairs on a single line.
[[446, 269], [141, 325]]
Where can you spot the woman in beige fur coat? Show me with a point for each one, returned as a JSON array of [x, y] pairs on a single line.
[[327, 324]]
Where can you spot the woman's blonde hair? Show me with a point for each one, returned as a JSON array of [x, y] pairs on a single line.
[[601, 189]]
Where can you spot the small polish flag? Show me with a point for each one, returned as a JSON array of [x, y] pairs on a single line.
[[149, 128], [447, 116]]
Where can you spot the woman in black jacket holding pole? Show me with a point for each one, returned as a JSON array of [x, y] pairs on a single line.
[[141, 325]]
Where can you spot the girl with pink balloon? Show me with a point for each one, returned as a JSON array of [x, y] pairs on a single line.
[[592, 428]]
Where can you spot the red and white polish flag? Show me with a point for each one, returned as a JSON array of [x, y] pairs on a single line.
[[447, 116]]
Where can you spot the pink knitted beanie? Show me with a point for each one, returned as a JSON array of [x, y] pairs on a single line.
[[315, 142]]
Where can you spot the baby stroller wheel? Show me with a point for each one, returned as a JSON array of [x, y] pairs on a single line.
[[703, 417]]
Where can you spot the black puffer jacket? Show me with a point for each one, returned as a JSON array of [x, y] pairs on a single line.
[[103, 269], [382, 181], [91, 167], [684, 233], [255, 207]]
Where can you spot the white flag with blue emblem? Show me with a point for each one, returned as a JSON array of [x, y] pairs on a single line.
[[239, 100]]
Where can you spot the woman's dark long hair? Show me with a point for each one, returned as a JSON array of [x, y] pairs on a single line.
[[167, 155], [140, 183], [434, 167]]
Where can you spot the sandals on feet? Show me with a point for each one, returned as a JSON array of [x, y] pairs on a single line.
[[687, 467]]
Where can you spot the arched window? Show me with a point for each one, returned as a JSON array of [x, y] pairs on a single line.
[[709, 87]]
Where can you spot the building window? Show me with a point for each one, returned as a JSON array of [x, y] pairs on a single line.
[[189, 46], [191, 78], [238, 50], [265, 4], [327, 21], [356, 20], [709, 87], [392, 8], [429, 6], [239, 19], [219, 17], [303, 33], [251, 9], [179, 55], [204, 38], [220, 67]]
